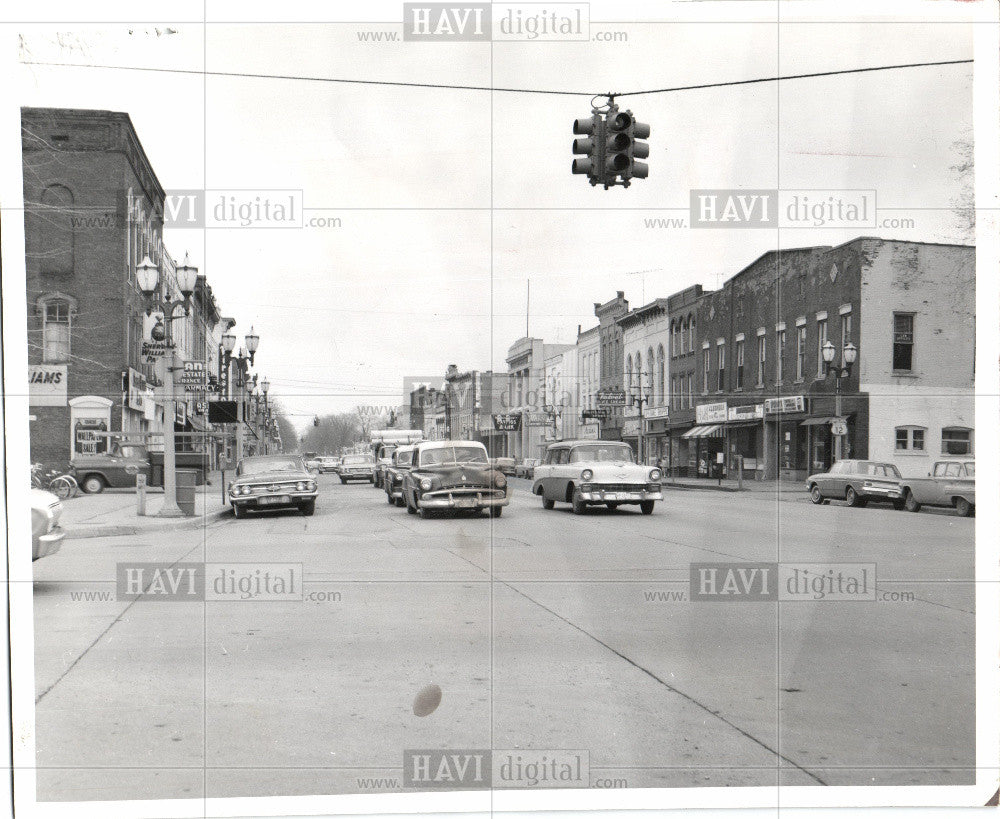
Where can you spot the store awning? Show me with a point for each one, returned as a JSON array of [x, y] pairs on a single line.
[[815, 422], [710, 431]]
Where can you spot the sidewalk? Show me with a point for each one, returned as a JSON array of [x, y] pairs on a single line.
[[749, 485], [113, 513]]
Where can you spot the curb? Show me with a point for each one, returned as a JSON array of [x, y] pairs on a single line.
[[702, 486], [121, 530]]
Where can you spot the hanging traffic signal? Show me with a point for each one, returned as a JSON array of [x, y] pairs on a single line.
[[593, 127], [611, 147], [315, 420]]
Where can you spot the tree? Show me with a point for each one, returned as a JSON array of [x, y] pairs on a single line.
[[334, 432]]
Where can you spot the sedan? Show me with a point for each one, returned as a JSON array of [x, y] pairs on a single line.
[[46, 534], [357, 468], [857, 482], [273, 482]]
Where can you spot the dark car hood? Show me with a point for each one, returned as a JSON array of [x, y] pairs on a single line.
[[453, 474], [274, 477]]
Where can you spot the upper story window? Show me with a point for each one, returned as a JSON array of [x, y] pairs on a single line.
[[800, 356], [821, 328], [910, 439], [739, 364], [761, 359], [902, 342], [707, 369], [779, 373], [691, 333], [956, 441], [57, 316], [721, 352]]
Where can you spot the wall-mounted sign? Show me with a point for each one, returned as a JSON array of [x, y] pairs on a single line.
[[748, 412], [149, 404], [507, 422], [789, 403], [611, 397], [47, 385], [711, 413], [152, 350], [656, 412], [180, 413], [598, 414], [135, 391]]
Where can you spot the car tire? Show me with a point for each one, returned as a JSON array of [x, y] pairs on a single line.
[[612, 505], [579, 504], [548, 503], [390, 499], [899, 504], [910, 503], [495, 511], [424, 513], [308, 508], [646, 507], [815, 495], [93, 484], [239, 511], [851, 496], [343, 480], [963, 507], [399, 502], [410, 508]]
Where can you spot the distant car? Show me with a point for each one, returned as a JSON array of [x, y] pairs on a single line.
[[357, 468], [526, 468], [589, 472], [46, 534], [949, 483], [456, 476], [383, 457], [857, 482], [506, 465], [392, 480], [327, 463], [272, 482]]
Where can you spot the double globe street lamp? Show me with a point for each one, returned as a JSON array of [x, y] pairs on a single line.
[[158, 299], [849, 356], [243, 361]]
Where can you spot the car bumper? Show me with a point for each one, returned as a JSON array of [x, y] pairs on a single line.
[[443, 499], [889, 493], [637, 495], [361, 476], [48, 544], [269, 501]]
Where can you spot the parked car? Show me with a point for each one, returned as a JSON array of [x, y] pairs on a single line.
[[327, 463], [949, 483], [270, 482], [857, 482], [46, 534], [506, 465], [526, 468], [357, 468], [116, 468], [595, 472], [454, 475], [383, 457], [398, 466]]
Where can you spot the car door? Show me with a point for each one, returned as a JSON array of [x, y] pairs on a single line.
[[837, 479], [560, 473], [543, 472]]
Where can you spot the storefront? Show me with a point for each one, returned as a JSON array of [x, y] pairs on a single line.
[[745, 433], [656, 440], [783, 419]]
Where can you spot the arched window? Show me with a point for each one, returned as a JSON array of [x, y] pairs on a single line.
[[55, 221], [673, 347], [628, 374], [660, 376], [649, 374], [56, 311], [691, 332]]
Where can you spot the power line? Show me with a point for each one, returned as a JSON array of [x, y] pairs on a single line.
[[398, 84]]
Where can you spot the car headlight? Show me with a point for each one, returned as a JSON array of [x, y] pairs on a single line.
[[426, 484], [300, 486], [232, 489], [310, 485], [654, 474], [501, 480], [245, 490], [587, 474]]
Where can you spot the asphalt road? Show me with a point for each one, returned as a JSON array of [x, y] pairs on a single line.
[[544, 630]]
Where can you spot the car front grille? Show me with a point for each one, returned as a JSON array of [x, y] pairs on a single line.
[[619, 487]]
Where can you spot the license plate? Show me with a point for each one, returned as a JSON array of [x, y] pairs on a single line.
[[274, 500], [465, 503], [611, 496]]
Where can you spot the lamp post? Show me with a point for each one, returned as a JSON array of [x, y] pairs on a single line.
[[265, 385], [640, 400], [849, 356], [150, 281], [242, 362], [552, 411]]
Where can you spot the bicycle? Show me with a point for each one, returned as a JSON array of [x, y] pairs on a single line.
[[61, 485]]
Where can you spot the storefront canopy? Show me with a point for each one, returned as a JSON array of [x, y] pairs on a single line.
[[710, 431], [815, 422]]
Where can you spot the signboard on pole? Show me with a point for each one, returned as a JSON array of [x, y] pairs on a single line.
[[838, 426], [599, 414], [507, 422], [222, 412], [136, 390], [152, 350], [611, 397]]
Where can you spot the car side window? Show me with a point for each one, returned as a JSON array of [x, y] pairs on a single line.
[[953, 471], [939, 470]]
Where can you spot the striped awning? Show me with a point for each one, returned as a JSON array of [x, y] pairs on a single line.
[[708, 431]]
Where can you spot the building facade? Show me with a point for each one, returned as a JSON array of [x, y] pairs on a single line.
[[526, 392], [93, 210], [680, 454], [612, 359], [588, 373], [472, 397], [646, 339]]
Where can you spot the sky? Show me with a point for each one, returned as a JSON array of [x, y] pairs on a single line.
[[449, 201]]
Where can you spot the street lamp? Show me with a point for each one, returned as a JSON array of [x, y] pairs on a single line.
[[148, 278], [640, 400], [243, 361], [850, 355]]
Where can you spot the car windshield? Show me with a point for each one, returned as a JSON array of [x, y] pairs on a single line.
[[601, 452], [258, 466], [453, 455], [133, 452], [404, 458], [356, 459]]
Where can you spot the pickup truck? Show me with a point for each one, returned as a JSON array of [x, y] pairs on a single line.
[[949, 483], [118, 467]]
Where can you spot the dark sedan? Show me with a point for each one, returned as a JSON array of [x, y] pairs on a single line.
[[857, 482], [273, 482], [455, 476]]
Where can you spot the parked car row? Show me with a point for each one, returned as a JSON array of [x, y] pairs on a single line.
[[951, 483]]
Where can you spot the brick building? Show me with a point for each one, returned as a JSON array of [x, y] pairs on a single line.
[[646, 339], [472, 398], [92, 212], [678, 452], [612, 359]]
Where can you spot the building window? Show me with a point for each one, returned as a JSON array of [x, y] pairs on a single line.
[[660, 375], [690, 378], [780, 371], [846, 329], [691, 333], [956, 441], [910, 439], [707, 370], [800, 355], [721, 385], [739, 365], [820, 341], [55, 331], [902, 342], [761, 359]]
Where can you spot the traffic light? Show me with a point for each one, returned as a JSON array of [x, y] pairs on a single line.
[[593, 127], [315, 420], [624, 148]]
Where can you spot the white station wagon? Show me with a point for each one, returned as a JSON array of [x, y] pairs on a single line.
[[589, 472]]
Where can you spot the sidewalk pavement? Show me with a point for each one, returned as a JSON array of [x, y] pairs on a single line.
[[114, 512], [727, 485]]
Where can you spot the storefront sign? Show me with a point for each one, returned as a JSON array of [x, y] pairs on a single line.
[[152, 350], [657, 412], [180, 412], [611, 397], [47, 385], [710, 413], [790, 403], [838, 426], [598, 414], [749, 412], [136, 390], [86, 440], [507, 422], [539, 419]]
